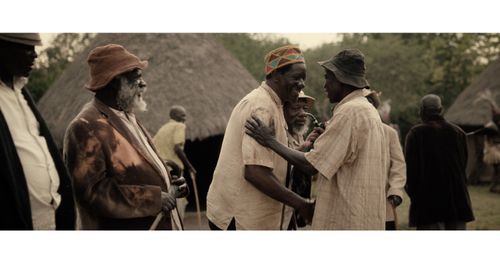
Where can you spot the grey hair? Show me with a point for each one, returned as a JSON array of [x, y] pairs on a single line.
[[430, 104]]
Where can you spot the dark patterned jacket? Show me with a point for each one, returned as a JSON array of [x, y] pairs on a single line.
[[116, 184]]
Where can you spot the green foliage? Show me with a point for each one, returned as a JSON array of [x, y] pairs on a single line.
[[250, 49], [53, 60], [407, 66]]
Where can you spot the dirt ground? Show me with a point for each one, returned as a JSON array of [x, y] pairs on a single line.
[[191, 221]]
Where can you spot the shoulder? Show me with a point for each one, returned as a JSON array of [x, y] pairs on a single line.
[[89, 118], [389, 130], [455, 127]]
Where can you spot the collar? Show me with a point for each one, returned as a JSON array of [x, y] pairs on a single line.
[[351, 96], [19, 83], [271, 92]]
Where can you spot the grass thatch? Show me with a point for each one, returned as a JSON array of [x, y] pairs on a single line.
[[192, 70], [466, 110]]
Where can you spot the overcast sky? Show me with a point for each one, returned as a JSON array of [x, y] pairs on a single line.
[[304, 40]]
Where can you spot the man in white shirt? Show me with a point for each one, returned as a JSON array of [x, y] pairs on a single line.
[[248, 189], [35, 188]]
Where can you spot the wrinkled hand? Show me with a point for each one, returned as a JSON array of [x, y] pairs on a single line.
[[259, 131], [181, 185], [306, 210], [168, 201], [395, 200]]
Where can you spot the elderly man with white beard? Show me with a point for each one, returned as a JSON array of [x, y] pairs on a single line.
[[119, 180], [298, 124]]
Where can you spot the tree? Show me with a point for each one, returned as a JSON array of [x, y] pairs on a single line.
[[53, 60], [250, 49]]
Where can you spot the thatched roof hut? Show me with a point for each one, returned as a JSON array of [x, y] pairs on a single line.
[[468, 113], [193, 70], [471, 114]]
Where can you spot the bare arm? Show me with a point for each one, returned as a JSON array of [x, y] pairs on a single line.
[[180, 152], [265, 136], [264, 180]]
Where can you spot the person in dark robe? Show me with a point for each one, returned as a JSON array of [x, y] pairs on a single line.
[[436, 157]]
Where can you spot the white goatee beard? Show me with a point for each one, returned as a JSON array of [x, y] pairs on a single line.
[[130, 99], [140, 104], [301, 130]]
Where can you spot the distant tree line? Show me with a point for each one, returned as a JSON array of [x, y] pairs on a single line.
[[403, 67]]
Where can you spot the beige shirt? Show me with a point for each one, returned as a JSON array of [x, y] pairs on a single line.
[[396, 178], [169, 135], [39, 170], [230, 195], [130, 121], [352, 158]]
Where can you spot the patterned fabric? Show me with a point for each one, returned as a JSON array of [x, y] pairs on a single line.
[[281, 57], [117, 184], [169, 135], [230, 194], [352, 158], [396, 178]]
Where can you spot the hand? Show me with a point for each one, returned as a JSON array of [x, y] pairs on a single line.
[[259, 131], [395, 200], [311, 138], [306, 210], [167, 201], [181, 185]]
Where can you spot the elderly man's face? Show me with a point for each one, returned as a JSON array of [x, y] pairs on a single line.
[[295, 116], [292, 82], [16, 59], [131, 94]]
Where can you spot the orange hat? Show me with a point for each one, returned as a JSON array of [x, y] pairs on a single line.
[[107, 62], [281, 57]]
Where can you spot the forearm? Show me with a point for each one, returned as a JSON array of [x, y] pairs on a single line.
[[264, 180], [180, 153], [294, 157]]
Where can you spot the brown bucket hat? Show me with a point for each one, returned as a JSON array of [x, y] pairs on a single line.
[[109, 61], [29, 39], [349, 67]]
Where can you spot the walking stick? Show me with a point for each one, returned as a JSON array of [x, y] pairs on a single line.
[[157, 221], [395, 217], [196, 198]]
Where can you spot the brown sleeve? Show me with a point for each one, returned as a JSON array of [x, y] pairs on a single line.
[[86, 155]]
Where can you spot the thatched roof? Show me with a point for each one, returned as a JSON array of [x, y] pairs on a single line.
[[193, 70], [466, 110]]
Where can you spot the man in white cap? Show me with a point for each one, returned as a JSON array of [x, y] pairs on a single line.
[[298, 124], [35, 188], [119, 179]]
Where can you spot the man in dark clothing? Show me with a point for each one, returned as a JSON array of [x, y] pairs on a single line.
[[436, 156], [35, 188]]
